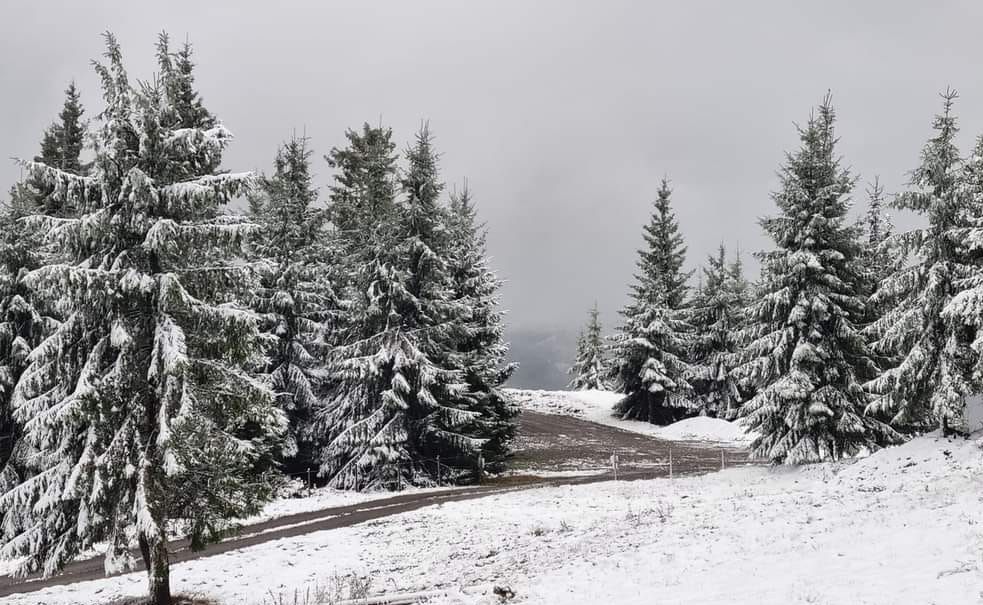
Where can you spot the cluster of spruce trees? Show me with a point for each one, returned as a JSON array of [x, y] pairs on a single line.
[[163, 361], [852, 337]]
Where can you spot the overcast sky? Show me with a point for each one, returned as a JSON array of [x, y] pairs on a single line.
[[562, 115]]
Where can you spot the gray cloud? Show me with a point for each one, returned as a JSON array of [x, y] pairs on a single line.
[[563, 116]]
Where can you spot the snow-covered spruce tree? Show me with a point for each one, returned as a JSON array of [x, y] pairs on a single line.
[[715, 313], [479, 352], [964, 313], [665, 255], [580, 353], [22, 324], [138, 410], [651, 346], [61, 147], [878, 258], [394, 406], [294, 297], [590, 369], [365, 178], [971, 182], [929, 383], [63, 140], [745, 292], [363, 196], [738, 284], [878, 254], [177, 71], [807, 358]]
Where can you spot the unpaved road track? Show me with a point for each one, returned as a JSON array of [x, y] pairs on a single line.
[[563, 443], [547, 442]]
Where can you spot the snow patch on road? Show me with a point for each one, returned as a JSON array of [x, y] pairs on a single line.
[[596, 406]]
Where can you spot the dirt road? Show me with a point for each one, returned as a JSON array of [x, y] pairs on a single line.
[[546, 443], [562, 443]]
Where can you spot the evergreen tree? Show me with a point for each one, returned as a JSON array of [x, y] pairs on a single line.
[[138, 409], [715, 315], [878, 255], [651, 347], [666, 252], [294, 297], [580, 353], [177, 70], [739, 285], [363, 197], [480, 350], [395, 406], [590, 369], [61, 147], [22, 326], [807, 358], [877, 224], [930, 381], [964, 313], [971, 182], [22, 323], [746, 292], [62, 143], [69, 134]]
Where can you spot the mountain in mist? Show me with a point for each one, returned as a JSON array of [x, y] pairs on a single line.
[[544, 356]]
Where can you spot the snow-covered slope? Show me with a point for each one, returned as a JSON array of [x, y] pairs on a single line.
[[595, 406], [904, 525], [900, 526]]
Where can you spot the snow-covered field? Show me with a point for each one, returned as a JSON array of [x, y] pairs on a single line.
[[596, 407], [904, 525]]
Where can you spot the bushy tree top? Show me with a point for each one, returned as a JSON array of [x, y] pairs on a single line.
[[660, 264]]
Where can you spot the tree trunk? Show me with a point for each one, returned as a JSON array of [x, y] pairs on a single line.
[[144, 552], [154, 551]]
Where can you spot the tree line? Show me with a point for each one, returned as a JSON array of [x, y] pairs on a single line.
[[852, 337], [163, 360]]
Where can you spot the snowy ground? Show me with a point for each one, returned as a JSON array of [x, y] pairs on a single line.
[[904, 525], [596, 407], [310, 500]]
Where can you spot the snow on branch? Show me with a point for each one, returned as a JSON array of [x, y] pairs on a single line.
[[212, 188], [65, 184], [168, 236]]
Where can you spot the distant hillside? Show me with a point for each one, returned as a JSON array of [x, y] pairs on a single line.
[[544, 356]]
